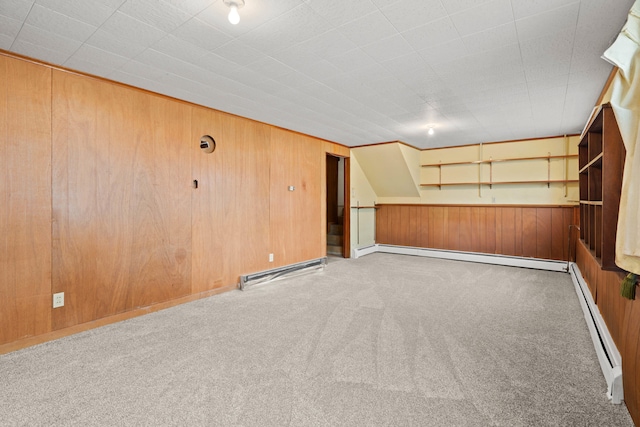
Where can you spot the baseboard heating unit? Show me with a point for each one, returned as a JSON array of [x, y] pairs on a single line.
[[291, 270], [608, 355]]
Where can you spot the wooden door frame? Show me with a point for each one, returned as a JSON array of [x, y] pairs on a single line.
[[346, 213]]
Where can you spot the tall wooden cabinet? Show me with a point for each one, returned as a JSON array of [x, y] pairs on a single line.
[[601, 161]]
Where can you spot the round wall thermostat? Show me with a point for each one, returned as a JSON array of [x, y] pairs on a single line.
[[207, 144]]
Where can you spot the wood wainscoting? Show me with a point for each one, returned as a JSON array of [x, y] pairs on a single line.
[[529, 231], [623, 321]]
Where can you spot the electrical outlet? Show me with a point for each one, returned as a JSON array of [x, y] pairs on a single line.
[[58, 300], [270, 257]]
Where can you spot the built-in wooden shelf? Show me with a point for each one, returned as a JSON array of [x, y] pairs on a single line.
[[601, 155], [477, 162], [491, 182], [558, 181]]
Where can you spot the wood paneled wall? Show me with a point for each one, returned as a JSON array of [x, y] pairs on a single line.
[[98, 200], [121, 199], [25, 200], [298, 227], [529, 231], [622, 318]]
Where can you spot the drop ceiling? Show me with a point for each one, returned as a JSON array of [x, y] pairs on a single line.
[[351, 71]]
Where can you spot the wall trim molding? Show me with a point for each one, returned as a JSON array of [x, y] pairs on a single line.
[[506, 260]]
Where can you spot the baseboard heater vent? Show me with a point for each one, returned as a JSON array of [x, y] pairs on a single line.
[[608, 355], [291, 270]]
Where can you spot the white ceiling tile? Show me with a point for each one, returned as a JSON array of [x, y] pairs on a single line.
[[501, 35], [95, 56], [320, 70], [327, 45], [124, 26], [180, 49], [547, 69], [16, 9], [525, 8], [58, 23], [431, 34], [270, 68], [547, 23], [113, 4], [559, 44], [297, 56], [156, 13], [9, 27], [407, 14], [145, 71], [114, 44], [200, 34], [455, 6], [352, 60], [5, 42], [445, 52], [293, 27], [483, 17], [239, 52], [339, 12], [190, 6], [26, 48], [388, 48], [48, 40], [90, 11], [368, 29], [296, 79]]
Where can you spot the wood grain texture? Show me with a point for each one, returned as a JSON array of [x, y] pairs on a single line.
[[518, 230], [230, 216], [25, 199], [622, 318], [121, 199], [297, 218]]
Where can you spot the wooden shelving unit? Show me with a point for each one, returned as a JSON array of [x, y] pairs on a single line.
[[601, 162], [491, 182]]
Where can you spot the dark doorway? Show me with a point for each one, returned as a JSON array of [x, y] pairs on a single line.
[[337, 211]]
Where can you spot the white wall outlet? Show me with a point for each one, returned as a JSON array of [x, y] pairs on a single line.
[[270, 257], [58, 300]]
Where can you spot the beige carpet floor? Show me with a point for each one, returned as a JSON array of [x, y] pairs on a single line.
[[384, 340]]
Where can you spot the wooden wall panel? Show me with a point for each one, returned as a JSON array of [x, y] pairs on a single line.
[[544, 233], [298, 218], [121, 198], [231, 204], [514, 230], [623, 321], [25, 199], [529, 233]]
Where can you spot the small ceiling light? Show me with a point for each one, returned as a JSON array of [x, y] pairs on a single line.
[[431, 131], [234, 5]]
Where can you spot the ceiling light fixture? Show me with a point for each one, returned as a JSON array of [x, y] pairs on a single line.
[[431, 131], [234, 5]]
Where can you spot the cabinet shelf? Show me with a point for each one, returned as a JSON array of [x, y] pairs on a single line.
[[601, 156], [596, 163]]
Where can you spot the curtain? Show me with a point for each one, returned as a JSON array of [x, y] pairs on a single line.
[[625, 101]]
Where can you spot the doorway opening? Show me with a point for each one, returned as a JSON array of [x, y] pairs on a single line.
[[337, 212]]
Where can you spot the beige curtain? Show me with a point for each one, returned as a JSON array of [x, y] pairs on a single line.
[[625, 100]]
